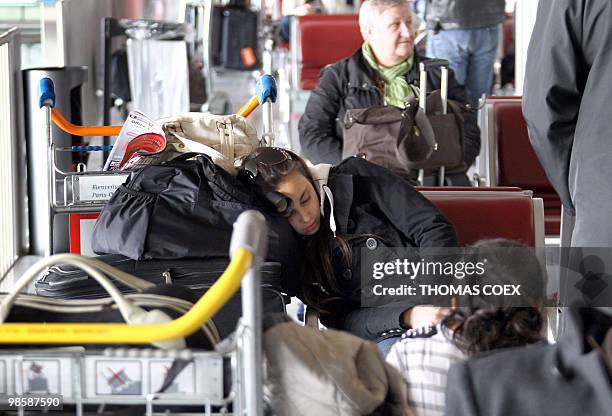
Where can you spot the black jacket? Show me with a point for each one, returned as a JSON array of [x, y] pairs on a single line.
[[565, 379], [464, 14], [370, 202], [350, 84]]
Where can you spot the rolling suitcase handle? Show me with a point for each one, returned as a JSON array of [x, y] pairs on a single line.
[[423, 66]]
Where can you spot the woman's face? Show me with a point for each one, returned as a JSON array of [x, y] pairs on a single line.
[[391, 36], [306, 215]]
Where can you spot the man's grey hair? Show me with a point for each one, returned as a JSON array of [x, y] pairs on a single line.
[[370, 8]]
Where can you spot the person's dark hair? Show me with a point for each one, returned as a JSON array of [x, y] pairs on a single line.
[[317, 275], [478, 325]]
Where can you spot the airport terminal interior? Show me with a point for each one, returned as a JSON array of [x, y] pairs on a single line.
[[305, 207]]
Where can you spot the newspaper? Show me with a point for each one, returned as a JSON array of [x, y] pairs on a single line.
[[137, 124]]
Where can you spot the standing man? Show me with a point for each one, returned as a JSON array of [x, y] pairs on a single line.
[[466, 33], [566, 104]]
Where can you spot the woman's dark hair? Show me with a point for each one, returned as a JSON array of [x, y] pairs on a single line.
[[317, 281], [479, 324]]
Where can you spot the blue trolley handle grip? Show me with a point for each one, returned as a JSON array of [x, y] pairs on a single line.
[[266, 89], [46, 92]]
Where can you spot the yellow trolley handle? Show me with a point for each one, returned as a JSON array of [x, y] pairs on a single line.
[[90, 333]]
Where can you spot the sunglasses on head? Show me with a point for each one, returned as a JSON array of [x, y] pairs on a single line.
[[266, 156], [269, 156]]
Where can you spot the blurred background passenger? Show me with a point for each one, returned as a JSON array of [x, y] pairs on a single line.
[[305, 8], [466, 33], [381, 72], [475, 324]]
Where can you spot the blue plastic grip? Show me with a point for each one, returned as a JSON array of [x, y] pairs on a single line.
[[266, 89], [91, 148], [46, 93]]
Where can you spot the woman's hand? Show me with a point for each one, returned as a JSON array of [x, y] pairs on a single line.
[[423, 315]]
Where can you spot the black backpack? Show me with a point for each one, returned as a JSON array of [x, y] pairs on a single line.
[[186, 208]]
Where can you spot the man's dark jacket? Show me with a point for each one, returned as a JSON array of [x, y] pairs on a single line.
[[350, 84], [371, 203], [565, 379], [464, 14]]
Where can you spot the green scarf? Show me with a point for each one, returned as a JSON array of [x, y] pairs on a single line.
[[396, 86]]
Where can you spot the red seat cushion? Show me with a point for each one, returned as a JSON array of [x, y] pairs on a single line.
[[517, 163], [470, 188], [325, 39], [482, 216]]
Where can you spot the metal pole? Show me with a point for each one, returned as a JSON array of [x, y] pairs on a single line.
[[444, 89], [250, 232], [252, 316], [268, 133], [48, 250], [206, 10], [107, 104]]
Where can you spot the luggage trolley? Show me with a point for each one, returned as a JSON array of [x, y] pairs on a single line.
[[75, 373], [75, 193], [74, 376]]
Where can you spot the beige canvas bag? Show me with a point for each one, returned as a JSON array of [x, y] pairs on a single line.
[[225, 138]]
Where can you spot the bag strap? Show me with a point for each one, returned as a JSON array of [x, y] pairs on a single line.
[[130, 313], [223, 158], [184, 156], [423, 123], [226, 138]]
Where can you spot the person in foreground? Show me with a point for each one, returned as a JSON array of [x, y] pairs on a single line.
[[566, 107], [339, 210], [382, 72], [473, 325], [571, 377]]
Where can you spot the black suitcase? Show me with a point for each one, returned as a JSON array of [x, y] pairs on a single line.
[[239, 31], [67, 282]]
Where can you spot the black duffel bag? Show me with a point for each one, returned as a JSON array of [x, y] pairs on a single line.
[[186, 208]]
